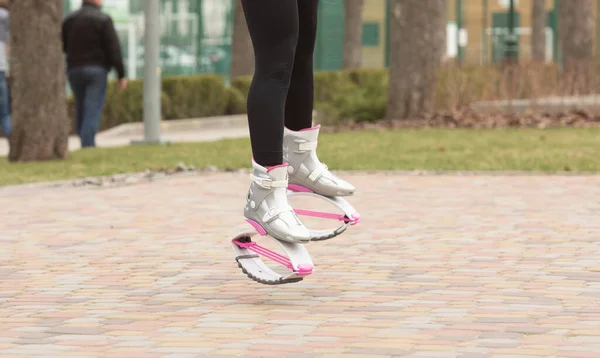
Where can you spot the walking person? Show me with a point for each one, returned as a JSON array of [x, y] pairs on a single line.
[[5, 120], [92, 49]]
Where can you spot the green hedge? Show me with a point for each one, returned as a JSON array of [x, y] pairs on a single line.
[[358, 95], [353, 94], [181, 97]]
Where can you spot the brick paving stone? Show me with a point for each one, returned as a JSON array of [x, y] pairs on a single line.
[[377, 351], [434, 354], [26, 341], [76, 330], [440, 266]]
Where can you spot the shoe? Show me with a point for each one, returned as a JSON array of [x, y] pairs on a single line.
[[304, 167], [267, 208]]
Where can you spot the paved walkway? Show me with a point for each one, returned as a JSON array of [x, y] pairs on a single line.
[[440, 266], [183, 130], [124, 140]]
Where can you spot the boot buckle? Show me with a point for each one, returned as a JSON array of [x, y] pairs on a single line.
[[268, 183], [307, 146]]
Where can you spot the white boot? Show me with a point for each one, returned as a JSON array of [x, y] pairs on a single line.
[[305, 169], [267, 207]]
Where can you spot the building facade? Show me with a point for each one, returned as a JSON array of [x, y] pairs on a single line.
[[196, 34]]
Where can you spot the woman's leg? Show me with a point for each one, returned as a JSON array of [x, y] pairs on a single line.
[[300, 140], [273, 27], [299, 104]]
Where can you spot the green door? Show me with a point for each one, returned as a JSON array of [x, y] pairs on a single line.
[[329, 49], [500, 27]]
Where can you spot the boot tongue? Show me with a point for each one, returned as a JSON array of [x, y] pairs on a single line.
[[278, 172]]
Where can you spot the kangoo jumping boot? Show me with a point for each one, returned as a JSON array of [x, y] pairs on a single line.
[[267, 208], [304, 167]]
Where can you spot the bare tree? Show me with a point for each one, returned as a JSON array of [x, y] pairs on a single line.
[[353, 33], [538, 30], [41, 123], [576, 36], [242, 61], [417, 42]]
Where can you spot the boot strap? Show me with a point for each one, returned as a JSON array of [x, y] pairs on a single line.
[[307, 146], [268, 183], [274, 213], [318, 172]]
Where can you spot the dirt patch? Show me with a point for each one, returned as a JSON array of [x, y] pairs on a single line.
[[468, 118]]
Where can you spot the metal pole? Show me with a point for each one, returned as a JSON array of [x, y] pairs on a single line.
[[131, 46], [459, 26], [200, 33], [152, 76], [597, 31], [555, 41], [152, 110], [511, 40], [388, 10], [484, 36]]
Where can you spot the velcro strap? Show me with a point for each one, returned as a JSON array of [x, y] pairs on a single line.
[[316, 174], [307, 146], [274, 213], [269, 183]]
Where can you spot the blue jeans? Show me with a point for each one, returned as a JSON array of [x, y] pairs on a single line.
[[4, 106], [89, 89]]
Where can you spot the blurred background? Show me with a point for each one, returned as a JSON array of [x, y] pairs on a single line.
[[197, 34], [451, 64]]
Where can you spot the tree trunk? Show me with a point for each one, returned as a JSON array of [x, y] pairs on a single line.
[[353, 33], [576, 36], [418, 40], [538, 31], [41, 123], [242, 60]]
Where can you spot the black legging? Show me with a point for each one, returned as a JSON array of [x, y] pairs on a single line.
[[283, 35]]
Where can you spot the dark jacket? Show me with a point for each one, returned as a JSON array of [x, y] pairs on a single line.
[[89, 38]]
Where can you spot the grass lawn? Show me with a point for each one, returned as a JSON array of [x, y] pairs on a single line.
[[564, 149]]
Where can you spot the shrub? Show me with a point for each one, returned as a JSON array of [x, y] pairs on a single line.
[[356, 95], [236, 101], [369, 77], [242, 84], [328, 84], [195, 96], [347, 95], [123, 107], [181, 97]]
